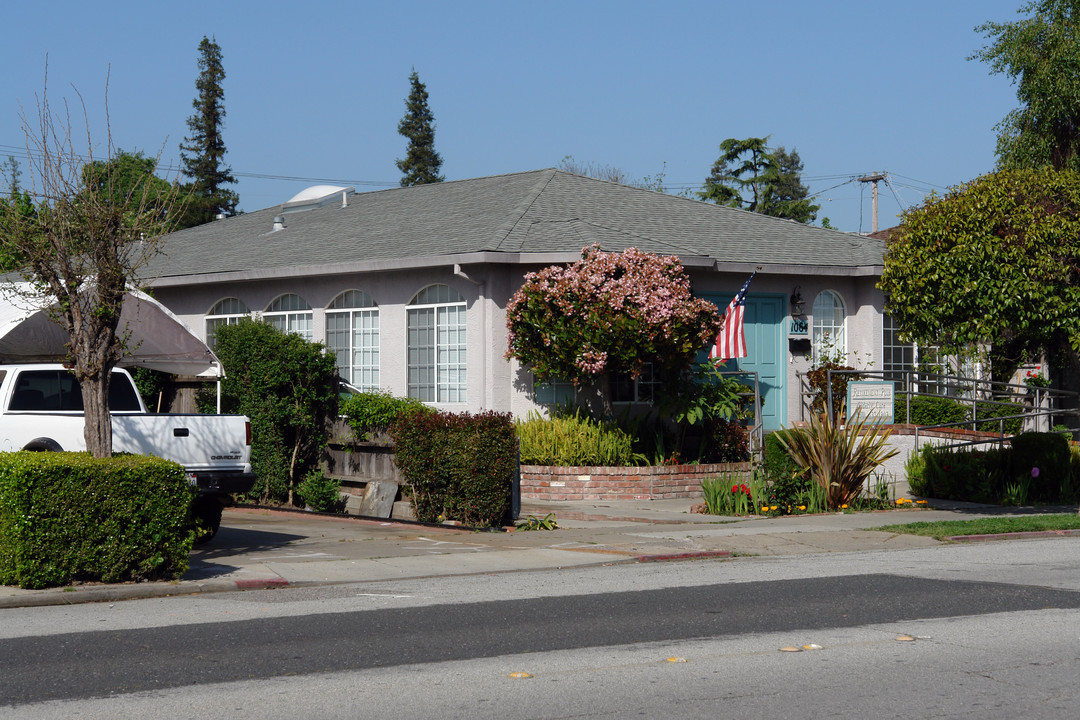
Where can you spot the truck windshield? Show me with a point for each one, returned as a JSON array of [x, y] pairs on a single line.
[[59, 391]]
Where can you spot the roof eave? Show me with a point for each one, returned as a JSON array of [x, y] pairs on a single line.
[[695, 262]]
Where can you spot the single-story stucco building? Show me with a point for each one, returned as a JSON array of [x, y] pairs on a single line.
[[408, 287]]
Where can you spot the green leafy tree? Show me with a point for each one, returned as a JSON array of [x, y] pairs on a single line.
[[421, 164], [993, 261], [288, 387], [202, 153], [126, 176], [83, 246], [608, 313], [751, 175], [1041, 54]]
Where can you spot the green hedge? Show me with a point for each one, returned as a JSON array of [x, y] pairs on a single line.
[[939, 411], [1042, 460], [933, 411], [70, 516], [459, 466], [1034, 468], [368, 412]]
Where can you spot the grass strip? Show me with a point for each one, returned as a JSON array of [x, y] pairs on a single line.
[[986, 526]]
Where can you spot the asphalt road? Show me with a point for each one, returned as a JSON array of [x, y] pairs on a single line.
[[1000, 647]]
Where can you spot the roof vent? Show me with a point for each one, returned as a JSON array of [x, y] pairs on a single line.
[[279, 223], [315, 197]]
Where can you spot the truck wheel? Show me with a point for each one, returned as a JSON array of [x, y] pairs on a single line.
[[43, 444], [207, 512]]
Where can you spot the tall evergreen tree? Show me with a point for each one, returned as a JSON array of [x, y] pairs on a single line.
[[788, 196], [750, 175], [11, 173], [421, 164], [203, 152]]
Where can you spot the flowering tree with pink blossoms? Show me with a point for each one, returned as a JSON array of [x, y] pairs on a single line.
[[608, 313]]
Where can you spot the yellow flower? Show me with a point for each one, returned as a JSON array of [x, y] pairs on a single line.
[[920, 502], [802, 507], [773, 507], [844, 506]]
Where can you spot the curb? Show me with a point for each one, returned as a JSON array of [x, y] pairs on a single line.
[[1028, 535], [705, 554], [80, 595]]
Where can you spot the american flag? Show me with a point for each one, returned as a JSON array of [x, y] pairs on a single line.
[[731, 342]]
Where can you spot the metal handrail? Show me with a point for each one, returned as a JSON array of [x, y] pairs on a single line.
[[757, 431], [979, 392]]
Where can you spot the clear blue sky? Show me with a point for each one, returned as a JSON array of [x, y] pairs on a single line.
[[314, 90]]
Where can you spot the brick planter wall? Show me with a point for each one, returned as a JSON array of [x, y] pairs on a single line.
[[547, 482]]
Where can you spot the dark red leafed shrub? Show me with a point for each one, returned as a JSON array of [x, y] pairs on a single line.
[[459, 466]]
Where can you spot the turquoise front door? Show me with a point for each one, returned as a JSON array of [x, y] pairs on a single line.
[[763, 324]]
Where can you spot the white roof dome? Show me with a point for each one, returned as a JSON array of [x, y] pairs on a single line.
[[317, 196]]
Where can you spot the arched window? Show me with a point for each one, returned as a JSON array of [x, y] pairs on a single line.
[[352, 332], [225, 312], [829, 338], [290, 313], [436, 343]]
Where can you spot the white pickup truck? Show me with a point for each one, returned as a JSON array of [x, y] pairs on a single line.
[[41, 409]]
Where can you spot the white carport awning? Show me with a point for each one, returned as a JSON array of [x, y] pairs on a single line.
[[159, 340]]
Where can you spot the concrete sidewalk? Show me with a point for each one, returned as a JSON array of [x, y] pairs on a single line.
[[259, 548]]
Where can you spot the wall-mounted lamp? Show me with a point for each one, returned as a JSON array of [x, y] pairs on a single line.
[[798, 305]]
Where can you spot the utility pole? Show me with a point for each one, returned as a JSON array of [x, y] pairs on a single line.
[[873, 179]]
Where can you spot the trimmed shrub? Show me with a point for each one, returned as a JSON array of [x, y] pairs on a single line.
[[1042, 461], [987, 411], [70, 516], [460, 467], [939, 411], [788, 483], [321, 492], [369, 412], [575, 439], [935, 411], [968, 474], [915, 467]]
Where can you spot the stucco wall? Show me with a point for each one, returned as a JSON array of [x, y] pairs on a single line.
[[493, 382]]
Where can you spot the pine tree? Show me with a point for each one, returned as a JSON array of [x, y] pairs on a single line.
[[203, 151], [421, 164], [752, 176]]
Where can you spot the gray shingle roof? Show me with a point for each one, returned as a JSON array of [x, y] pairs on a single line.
[[543, 211]]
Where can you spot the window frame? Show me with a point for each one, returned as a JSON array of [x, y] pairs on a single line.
[[350, 306], [225, 311], [297, 318], [837, 330], [437, 370]]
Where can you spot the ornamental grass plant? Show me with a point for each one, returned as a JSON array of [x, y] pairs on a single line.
[[573, 438], [839, 458]]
